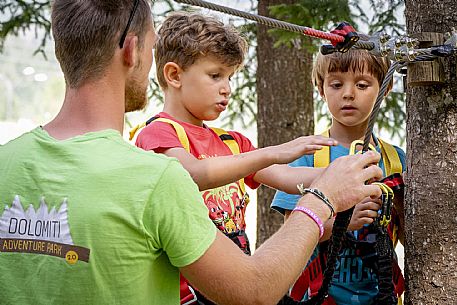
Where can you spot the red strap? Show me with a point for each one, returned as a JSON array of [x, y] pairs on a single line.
[[186, 293], [350, 35]]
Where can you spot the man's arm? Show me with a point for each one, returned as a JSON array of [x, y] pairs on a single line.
[[217, 171], [265, 277]]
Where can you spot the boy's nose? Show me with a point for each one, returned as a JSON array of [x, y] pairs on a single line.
[[348, 93], [226, 90]]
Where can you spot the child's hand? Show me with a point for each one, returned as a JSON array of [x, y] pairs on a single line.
[[364, 213], [292, 150]]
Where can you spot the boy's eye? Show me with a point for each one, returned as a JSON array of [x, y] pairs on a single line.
[[336, 85], [362, 86], [215, 75]]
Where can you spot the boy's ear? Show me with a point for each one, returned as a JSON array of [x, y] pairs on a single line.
[[130, 51], [172, 73]]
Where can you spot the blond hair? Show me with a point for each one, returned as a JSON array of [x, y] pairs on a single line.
[[186, 37], [355, 60], [87, 33]]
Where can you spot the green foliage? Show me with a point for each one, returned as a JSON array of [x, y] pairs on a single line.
[[384, 19], [24, 16], [317, 14]]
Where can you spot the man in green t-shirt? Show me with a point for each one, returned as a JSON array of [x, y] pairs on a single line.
[[86, 218]]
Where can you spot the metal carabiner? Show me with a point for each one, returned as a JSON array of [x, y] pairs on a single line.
[[353, 148], [387, 198]]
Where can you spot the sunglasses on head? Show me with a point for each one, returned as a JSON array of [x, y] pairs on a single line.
[[132, 14]]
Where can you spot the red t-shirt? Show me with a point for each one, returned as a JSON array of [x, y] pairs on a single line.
[[225, 204]]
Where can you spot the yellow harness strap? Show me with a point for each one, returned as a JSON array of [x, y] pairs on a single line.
[[233, 146], [227, 139], [182, 136], [322, 156], [133, 131], [392, 163]]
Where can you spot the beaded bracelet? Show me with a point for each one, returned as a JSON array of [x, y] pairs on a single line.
[[313, 216], [319, 195]]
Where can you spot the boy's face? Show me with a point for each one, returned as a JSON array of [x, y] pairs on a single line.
[[350, 96], [205, 89]]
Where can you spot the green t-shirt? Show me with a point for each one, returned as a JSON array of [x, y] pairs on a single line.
[[95, 220]]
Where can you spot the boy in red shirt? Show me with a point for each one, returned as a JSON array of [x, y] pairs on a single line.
[[196, 56]]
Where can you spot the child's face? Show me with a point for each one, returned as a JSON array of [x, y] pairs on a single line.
[[205, 88], [350, 96]]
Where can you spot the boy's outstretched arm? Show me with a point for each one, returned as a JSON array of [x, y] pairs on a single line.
[[265, 277], [217, 171], [285, 178]]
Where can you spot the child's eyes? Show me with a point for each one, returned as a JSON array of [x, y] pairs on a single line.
[[336, 85], [218, 76], [362, 86], [215, 75]]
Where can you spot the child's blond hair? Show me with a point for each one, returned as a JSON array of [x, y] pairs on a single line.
[[355, 60]]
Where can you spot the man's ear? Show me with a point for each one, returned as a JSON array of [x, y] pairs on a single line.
[[130, 51], [172, 74]]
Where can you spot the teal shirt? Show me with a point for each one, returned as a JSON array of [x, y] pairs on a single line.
[[95, 220]]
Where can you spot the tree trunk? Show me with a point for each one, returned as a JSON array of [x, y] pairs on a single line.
[[431, 212], [285, 106]]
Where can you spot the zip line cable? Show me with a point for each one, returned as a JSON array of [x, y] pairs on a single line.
[[334, 38]]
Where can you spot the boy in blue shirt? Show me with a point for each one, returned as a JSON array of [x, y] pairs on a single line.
[[349, 83]]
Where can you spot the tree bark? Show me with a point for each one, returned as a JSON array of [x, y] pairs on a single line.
[[285, 106], [431, 212]]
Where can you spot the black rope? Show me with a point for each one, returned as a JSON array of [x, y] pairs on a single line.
[[384, 249], [340, 226]]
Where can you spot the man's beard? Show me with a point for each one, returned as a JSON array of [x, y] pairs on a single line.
[[135, 96]]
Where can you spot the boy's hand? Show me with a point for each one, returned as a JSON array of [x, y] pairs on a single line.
[[292, 150], [365, 212], [343, 182]]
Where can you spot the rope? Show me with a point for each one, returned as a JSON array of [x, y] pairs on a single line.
[[377, 105], [276, 23]]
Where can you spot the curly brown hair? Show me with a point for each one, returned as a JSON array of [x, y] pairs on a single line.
[[355, 60], [87, 33], [186, 37]]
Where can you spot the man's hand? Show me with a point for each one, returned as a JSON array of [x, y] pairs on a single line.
[[365, 212], [343, 182]]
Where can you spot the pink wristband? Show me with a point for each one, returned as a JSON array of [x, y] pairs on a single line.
[[313, 216]]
